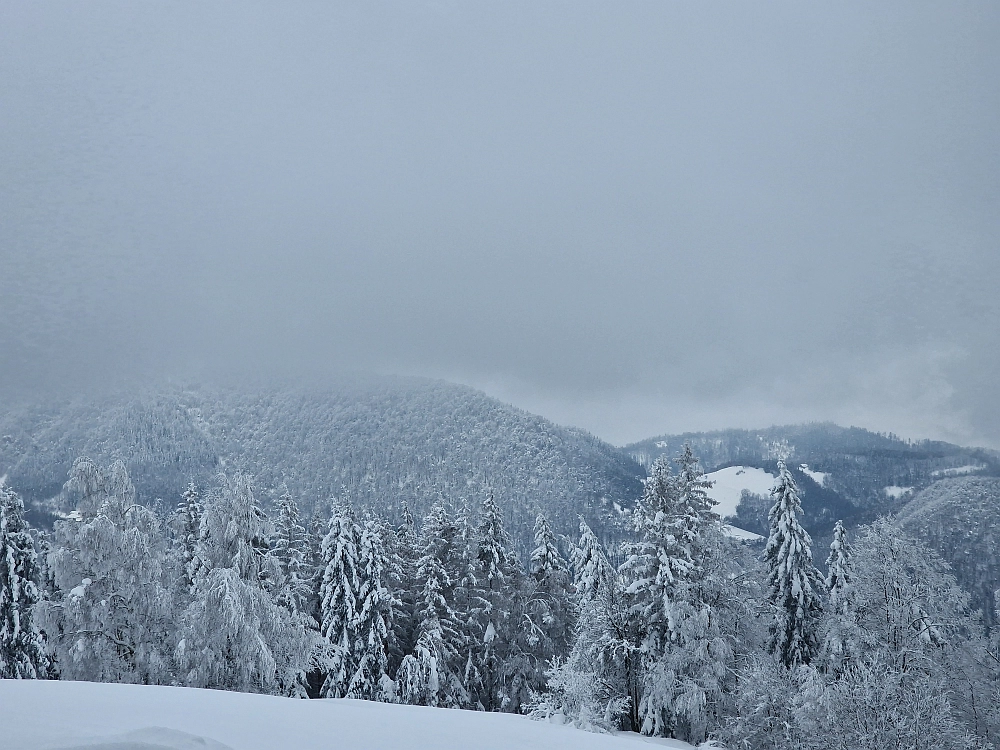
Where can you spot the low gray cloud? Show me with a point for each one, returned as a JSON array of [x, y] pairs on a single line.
[[641, 218]]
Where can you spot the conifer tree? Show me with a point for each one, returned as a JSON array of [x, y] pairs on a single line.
[[318, 527], [500, 661], [839, 631], [291, 550], [545, 557], [493, 544], [663, 556], [472, 606], [403, 557], [339, 599], [553, 582], [684, 654], [694, 503], [188, 526], [590, 564], [373, 622], [792, 577], [549, 613], [22, 650], [432, 675], [839, 574], [46, 576]]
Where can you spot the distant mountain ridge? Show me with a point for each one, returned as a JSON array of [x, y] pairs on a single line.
[[385, 442], [864, 474], [377, 442]]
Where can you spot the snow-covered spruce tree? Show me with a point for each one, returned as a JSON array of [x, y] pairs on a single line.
[[550, 613], [685, 656], [471, 604], [432, 675], [318, 527], [110, 618], [694, 504], [339, 600], [590, 564], [839, 575], [793, 579], [501, 662], [403, 557], [663, 556], [598, 686], [545, 557], [187, 525], [22, 650], [46, 578], [372, 625], [233, 635], [837, 629], [291, 549]]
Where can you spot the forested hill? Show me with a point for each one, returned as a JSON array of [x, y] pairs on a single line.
[[378, 442], [960, 518], [850, 473]]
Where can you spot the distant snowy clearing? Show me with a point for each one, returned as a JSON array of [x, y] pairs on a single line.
[[819, 477], [735, 532], [895, 492], [730, 483], [958, 471], [39, 715]]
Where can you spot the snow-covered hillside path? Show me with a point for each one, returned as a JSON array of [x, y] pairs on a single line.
[[37, 715]]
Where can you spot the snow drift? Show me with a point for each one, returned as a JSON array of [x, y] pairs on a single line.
[[37, 715]]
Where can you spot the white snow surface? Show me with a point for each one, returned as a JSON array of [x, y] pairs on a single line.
[[895, 492], [731, 481], [56, 715], [819, 477], [737, 533]]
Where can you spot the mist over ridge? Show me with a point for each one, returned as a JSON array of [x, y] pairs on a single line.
[[638, 220]]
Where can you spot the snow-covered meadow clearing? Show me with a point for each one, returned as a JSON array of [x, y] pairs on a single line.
[[46, 715], [728, 484]]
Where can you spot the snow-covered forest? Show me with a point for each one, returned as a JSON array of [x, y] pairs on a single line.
[[383, 442], [678, 630]]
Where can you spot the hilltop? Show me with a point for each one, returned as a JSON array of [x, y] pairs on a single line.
[[381, 443]]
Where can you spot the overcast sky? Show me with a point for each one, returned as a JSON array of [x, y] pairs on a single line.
[[632, 217]]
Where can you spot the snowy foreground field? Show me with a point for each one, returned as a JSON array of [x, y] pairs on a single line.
[[37, 714]]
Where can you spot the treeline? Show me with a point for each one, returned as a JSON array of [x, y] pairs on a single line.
[[693, 635], [218, 595]]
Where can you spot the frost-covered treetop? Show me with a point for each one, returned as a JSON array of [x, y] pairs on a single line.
[[839, 574], [792, 577]]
